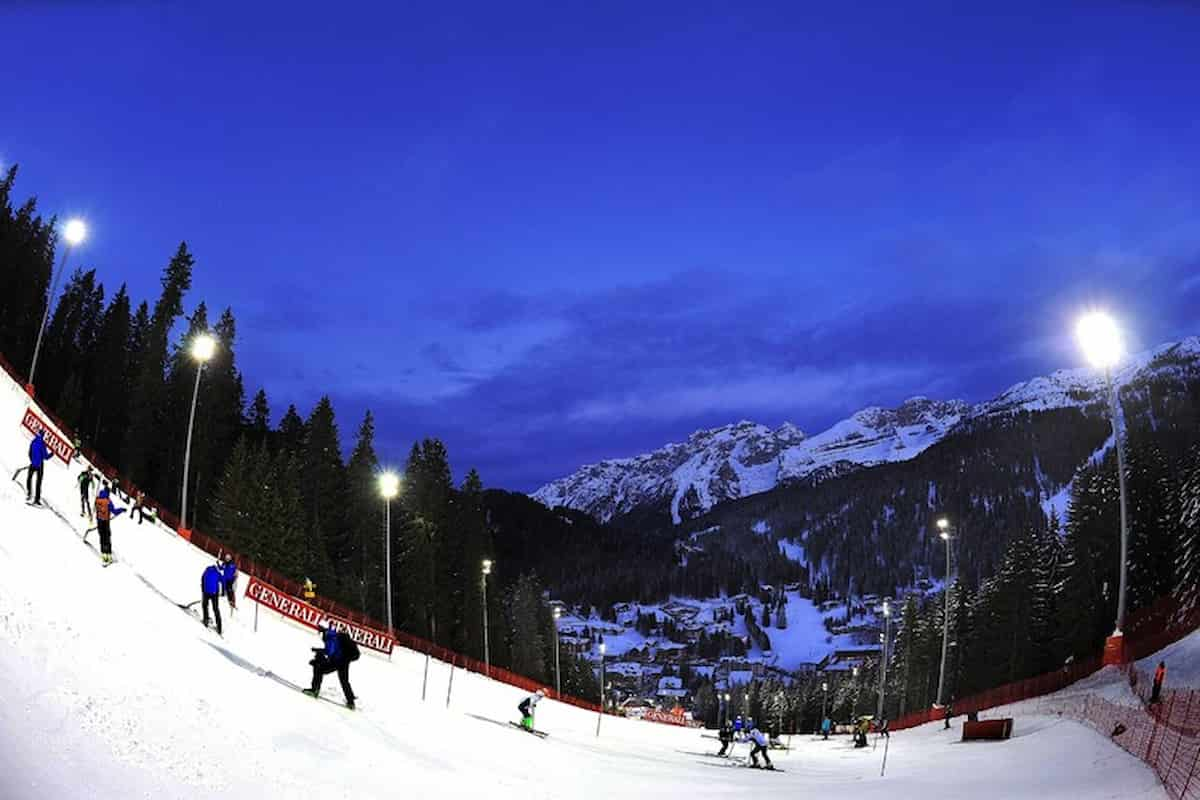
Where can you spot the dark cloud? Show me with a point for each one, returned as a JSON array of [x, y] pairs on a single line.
[[638, 366]]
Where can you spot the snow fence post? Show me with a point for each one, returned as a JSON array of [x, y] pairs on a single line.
[[425, 681], [450, 683]]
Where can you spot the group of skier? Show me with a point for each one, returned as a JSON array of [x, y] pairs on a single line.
[[745, 731], [217, 579]]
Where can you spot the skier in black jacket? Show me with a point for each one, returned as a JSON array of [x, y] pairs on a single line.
[[726, 737]]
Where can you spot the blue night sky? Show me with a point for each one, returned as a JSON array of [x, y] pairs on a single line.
[[555, 234]]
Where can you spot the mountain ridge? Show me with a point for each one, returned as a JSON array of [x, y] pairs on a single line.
[[743, 458]]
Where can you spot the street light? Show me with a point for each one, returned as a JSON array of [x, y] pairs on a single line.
[[557, 672], [726, 709], [945, 532], [883, 657], [389, 487], [600, 716], [857, 688], [487, 657], [824, 698], [203, 348], [73, 233], [1100, 338]]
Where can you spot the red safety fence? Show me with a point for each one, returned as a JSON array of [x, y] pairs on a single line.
[[282, 582], [1165, 735]]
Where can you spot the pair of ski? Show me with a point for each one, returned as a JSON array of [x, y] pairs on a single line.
[[306, 692], [534, 731], [740, 762]]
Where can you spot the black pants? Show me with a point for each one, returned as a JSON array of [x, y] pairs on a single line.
[[724, 746], [758, 748], [231, 593], [322, 666], [212, 598], [85, 505], [29, 489], [1155, 691], [103, 526]]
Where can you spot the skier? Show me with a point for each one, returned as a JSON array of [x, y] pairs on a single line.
[[760, 747], [210, 591], [229, 579], [1160, 675], [335, 656], [861, 730], [737, 728], [726, 737], [139, 506], [105, 511], [38, 453], [826, 724], [527, 707], [87, 479]]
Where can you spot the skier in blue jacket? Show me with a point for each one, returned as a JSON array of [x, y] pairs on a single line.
[[229, 580], [38, 453], [210, 590], [335, 656]]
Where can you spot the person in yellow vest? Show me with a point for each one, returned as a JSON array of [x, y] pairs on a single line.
[[310, 589]]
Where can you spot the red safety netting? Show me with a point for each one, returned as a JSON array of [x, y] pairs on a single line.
[[1166, 735]]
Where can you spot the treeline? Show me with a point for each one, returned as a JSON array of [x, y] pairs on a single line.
[[119, 373]]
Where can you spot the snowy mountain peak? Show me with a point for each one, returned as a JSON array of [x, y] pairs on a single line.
[[745, 457]]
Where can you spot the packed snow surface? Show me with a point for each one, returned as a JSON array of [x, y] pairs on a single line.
[[112, 691]]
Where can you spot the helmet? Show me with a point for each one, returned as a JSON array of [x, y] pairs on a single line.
[[229, 556], [540, 693]]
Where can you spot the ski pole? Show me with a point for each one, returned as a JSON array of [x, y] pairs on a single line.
[[887, 742]]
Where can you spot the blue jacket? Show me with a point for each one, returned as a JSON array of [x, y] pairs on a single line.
[[229, 573], [333, 650], [210, 581], [38, 451]]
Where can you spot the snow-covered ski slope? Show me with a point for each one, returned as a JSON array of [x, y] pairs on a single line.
[[110, 690]]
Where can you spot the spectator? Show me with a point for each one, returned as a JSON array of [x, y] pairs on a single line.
[[1160, 675]]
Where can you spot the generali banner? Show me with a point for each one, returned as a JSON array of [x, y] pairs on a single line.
[[665, 718], [313, 617], [57, 444]]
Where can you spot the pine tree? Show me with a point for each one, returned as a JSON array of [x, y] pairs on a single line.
[[175, 412], [236, 497], [69, 340], [291, 431], [1088, 597], [365, 545], [27, 251], [324, 483], [109, 362], [1153, 517], [471, 522], [141, 460], [526, 621], [1187, 551], [258, 419]]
